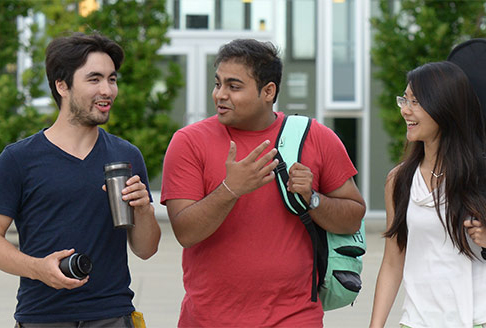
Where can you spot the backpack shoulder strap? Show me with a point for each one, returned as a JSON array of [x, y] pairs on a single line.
[[289, 143]]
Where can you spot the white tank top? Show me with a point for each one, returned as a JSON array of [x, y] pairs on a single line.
[[442, 287]]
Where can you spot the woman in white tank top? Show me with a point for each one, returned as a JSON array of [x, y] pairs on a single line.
[[432, 243]]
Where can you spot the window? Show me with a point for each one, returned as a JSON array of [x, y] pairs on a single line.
[[343, 54], [228, 15], [303, 29]]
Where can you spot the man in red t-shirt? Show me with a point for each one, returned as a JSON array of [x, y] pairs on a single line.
[[247, 260]]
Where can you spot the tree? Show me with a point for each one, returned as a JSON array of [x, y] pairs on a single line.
[[17, 118], [141, 111], [420, 31]]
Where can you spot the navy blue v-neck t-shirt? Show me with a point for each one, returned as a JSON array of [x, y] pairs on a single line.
[[57, 203]]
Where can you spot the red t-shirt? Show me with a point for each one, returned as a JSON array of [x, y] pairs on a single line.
[[256, 269]]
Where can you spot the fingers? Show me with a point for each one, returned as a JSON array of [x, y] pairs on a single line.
[[232, 152], [251, 172], [264, 165], [472, 224], [135, 192], [259, 150], [300, 180], [267, 159], [70, 283], [268, 169], [62, 254], [300, 174], [476, 231], [270, 176], [475, 223], [63, 281], [51, 274], [261, 163], [253, 155]]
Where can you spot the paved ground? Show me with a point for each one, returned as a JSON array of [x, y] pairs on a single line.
[[158, 285]]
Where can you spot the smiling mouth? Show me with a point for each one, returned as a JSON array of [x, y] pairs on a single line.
[[411, 123], [103, 105]]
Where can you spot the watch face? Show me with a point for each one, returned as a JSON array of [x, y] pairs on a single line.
[[314, 200]]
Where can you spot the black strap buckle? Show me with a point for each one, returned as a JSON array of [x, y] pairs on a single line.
[[281, 166]]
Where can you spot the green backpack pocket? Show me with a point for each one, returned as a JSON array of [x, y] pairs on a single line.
[[342, 281]]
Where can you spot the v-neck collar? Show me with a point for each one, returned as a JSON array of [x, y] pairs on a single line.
[[68, 155], [420, 193]]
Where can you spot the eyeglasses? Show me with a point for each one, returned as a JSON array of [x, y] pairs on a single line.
[[402, 101]]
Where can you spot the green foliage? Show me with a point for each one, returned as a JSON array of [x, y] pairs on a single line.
[[420, 31], [141, 111], [17, 118]]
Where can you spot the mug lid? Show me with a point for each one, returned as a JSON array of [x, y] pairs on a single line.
[[117, 166]]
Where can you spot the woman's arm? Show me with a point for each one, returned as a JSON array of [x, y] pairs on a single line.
[[391, 270]]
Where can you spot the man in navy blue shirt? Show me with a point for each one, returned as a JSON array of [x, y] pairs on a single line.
[[51, 186]]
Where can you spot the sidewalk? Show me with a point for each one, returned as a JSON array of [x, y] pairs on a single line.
[[157, 283]]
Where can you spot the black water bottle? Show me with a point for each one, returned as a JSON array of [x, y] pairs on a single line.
[[76, 266]]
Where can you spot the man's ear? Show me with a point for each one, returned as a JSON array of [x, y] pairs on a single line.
[[269, 90], [62, 87]]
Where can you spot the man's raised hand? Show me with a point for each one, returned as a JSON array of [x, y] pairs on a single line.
[[251, 172]]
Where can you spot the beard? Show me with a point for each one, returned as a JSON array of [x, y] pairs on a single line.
[[86, 117]]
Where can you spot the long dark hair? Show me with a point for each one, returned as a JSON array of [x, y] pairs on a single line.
[[444, 92]]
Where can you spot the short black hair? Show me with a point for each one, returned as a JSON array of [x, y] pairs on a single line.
[[64, 55], [261, 57]]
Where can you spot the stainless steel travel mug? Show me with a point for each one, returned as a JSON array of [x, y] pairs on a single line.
[[116, 176]]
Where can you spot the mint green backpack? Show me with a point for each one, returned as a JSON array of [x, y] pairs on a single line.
[[337, 258]]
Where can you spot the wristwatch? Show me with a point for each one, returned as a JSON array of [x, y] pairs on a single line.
[[314, 200]]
